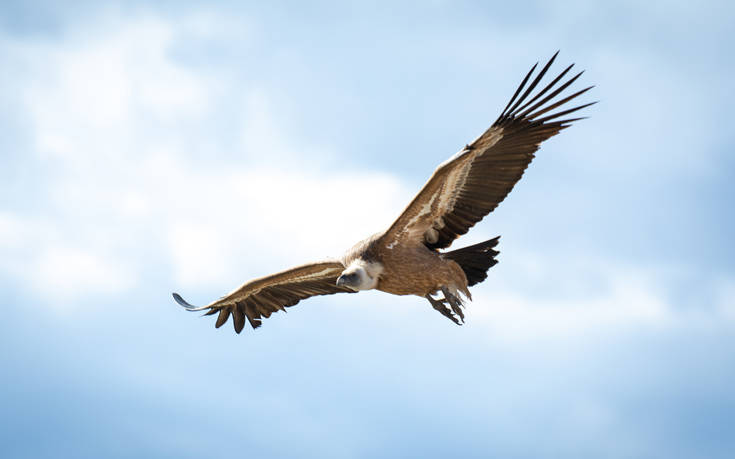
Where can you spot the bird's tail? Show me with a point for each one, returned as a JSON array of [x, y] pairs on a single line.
[[475, 260]]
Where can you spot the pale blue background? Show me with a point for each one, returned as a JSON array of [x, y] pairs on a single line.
[[188, 146]]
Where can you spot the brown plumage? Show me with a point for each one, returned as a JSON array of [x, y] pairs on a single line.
[[405, 259]]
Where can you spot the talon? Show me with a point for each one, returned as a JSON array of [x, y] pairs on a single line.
[[439, 306], [454, 302]]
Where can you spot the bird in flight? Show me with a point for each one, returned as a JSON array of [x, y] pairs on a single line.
[[406, 259]]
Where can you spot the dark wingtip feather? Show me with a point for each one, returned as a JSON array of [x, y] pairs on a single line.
[[562, 113], [518, 91], [512, 112], [224, 314], [182, 302], [563, 124], [534, 116], [238, 320]]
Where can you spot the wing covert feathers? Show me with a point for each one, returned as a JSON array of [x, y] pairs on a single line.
[[261, 297], [472, 183]]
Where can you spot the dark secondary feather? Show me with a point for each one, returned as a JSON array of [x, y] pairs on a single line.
[[494, 172], [260, 298]]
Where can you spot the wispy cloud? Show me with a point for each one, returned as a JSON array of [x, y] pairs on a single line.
[[120, 176]]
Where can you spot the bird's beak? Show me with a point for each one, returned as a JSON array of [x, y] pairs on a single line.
[[341, 281]]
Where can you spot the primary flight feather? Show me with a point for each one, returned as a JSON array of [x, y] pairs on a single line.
[[405, 259]]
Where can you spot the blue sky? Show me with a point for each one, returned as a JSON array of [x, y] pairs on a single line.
[[189, 146]]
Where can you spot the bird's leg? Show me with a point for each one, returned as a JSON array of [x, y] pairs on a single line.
[[454, 302], [439, 306]]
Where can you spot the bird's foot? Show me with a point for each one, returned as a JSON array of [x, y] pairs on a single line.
[[440, 306], [455, 302]]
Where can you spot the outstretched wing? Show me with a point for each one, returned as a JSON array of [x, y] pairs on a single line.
[[473, 182], [262, 297]]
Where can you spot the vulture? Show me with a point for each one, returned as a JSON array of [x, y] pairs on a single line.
[[409, 258]]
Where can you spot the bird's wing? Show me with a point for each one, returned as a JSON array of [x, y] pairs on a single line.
[[473, 182], [262, 297]]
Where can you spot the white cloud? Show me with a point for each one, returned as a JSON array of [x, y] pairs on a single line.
[[96, 91], [11, 230], [628, 297], [55, 269], [264, 217], [61, 272], [118, 187]]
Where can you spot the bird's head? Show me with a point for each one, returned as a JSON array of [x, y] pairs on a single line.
[[360, 275]]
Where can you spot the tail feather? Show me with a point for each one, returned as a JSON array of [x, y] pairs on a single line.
[[475, 260]]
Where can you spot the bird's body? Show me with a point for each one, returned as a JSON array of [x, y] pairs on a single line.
[[406, 259], [424, 275]]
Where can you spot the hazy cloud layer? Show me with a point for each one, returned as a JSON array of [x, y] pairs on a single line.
[[151, 149]]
